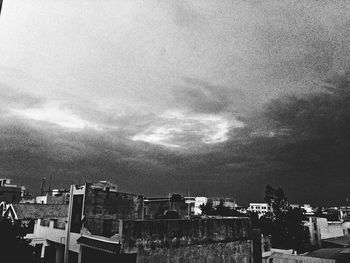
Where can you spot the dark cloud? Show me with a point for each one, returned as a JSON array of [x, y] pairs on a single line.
[[240, 55], [203, 97]]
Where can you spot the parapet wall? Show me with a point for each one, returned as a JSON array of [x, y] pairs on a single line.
[[176, 233], [236, 251]]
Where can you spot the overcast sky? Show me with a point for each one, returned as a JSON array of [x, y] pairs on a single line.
[[159, 96]]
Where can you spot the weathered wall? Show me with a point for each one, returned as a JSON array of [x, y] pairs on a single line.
[[10, 194], [200, 240], [103, 209], [145, 235], [235, 252]]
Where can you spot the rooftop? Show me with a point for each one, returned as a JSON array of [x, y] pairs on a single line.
[[342, 241], [331, 253], [35, 211]]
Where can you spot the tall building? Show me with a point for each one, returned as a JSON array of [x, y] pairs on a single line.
[[9, 193]]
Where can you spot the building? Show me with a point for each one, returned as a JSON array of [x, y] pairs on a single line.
[[344, 213], [99, 225], [320, 228], [174, 206], [198, 202], [46, 225], [308, 209], [51, 198], [259, 208], [10, 193], [113, 229]]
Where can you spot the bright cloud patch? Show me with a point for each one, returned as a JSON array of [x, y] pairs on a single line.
[[56, 115], [176, 129]]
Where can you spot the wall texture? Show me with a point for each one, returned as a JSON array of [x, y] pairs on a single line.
[[103, 209], [200, 240], [230, 252]]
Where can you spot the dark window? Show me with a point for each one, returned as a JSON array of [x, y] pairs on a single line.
[[77, 213], [59, 224], [45, 222], [30, 227], [107, 227]]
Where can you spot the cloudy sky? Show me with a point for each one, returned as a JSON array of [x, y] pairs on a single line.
[[171, 96]]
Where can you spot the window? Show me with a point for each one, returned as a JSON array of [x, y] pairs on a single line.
[[77, 211], [59, 224], [30, 226], [45, 222], [107, 227]]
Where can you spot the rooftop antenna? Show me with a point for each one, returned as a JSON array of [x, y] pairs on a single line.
[[188, 203], [42, 183], [49, 191], [346, 209], [169, 200]]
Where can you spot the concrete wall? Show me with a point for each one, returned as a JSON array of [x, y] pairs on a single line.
[[103, 209], [320, 228], [329, 229], [169, 233], [236, 251], [10, 194], [200, 240]]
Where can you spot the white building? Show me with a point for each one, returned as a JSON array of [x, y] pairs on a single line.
[[307, 208], [48, 228], [259, 208], [198, 201], [320, 228]]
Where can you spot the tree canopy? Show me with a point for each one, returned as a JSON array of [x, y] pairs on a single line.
[[13, 244], [284, 223]]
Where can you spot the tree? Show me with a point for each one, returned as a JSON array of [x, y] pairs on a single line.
[[222, 210], [276, 199], [207, 209], [284, 223], [13, 243]]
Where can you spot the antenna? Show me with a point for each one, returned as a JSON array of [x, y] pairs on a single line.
[[49, 191], [42, 183]]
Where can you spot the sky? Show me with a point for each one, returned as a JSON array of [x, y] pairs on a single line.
[[173, 96]]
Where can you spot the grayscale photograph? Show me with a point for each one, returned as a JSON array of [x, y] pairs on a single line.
[[175, 131]]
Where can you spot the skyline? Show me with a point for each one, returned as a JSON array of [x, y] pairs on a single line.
[[162, 96]]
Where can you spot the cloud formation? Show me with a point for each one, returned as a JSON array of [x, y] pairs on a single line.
[[167, 94]]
